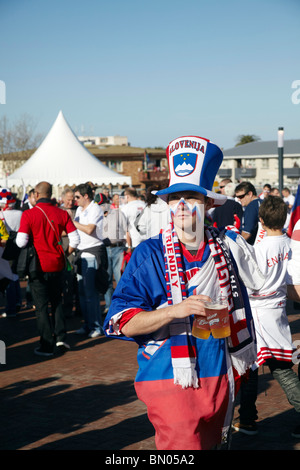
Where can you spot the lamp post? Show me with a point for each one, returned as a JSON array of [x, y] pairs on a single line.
[[280, 158]]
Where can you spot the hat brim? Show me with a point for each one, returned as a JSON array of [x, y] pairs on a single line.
[[219, 199]]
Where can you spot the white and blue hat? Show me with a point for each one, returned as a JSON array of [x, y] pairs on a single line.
[[193, 165]]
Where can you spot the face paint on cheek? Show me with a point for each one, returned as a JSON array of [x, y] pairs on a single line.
[[198, 211], [175, 208], [188, 221], [194, 213]]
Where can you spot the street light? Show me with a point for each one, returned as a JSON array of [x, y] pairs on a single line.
[[280, 157]]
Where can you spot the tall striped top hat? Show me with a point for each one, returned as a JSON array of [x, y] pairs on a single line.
[[193, 165]]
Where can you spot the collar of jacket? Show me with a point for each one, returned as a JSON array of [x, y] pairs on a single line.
[[44, 199]]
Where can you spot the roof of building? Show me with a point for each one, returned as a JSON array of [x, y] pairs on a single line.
[[261, 148], [120, 150]]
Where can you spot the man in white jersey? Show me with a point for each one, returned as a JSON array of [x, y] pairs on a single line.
[[268, 305], [131, 210], [288, 198]]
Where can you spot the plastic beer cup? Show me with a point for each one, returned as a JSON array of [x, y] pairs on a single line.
[[201, 328], [218, 317]]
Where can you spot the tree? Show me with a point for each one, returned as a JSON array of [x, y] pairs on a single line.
[[246, 139], [20, 136], [5, 136]]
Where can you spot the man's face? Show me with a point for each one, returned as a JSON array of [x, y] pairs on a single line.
[[266, 191], [116, 199], [31, 199], [275, 192], [244, 197], [68, 200], [187, 210], [79, 199], [222, 187]]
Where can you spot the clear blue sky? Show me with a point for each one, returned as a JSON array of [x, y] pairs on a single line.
[[154, 70]]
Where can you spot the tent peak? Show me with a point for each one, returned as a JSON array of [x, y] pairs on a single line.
[[62, 159]]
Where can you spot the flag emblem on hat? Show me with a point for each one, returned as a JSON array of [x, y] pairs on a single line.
[[184, 163]]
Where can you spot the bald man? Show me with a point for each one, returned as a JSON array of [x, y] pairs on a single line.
[[43, 225]]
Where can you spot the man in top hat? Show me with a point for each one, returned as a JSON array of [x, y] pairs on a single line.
[[188, 384]]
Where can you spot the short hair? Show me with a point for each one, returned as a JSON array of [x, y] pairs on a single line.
[[273, 212], [84, 189], [226, 181], [246, 186], [229, 189], [66, 191], [272, 191], [131, 192], [44, 188]]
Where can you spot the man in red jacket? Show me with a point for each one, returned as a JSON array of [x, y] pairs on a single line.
[[44, 225]]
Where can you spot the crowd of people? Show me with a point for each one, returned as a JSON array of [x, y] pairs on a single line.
[[71, 239], [186, 244]]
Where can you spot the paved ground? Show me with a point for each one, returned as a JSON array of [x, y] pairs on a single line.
[[85, 399]]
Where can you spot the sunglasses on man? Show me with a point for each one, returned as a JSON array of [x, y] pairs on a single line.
[[241, 196]]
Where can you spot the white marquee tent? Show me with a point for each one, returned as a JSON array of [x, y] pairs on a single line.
[[62, 159]]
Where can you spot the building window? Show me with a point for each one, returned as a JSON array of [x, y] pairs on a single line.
[[115, 165], [265, 163], [250, 163]]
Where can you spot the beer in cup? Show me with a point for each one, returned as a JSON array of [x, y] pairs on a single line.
[[201, 327], [218, 317]]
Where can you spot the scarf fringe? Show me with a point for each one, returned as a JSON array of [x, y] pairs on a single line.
[[186, 377], [243, 363]]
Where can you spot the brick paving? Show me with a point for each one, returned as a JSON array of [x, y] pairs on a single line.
[[85, 399]]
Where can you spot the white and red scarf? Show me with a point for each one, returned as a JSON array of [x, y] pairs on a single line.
[[241, 346]]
